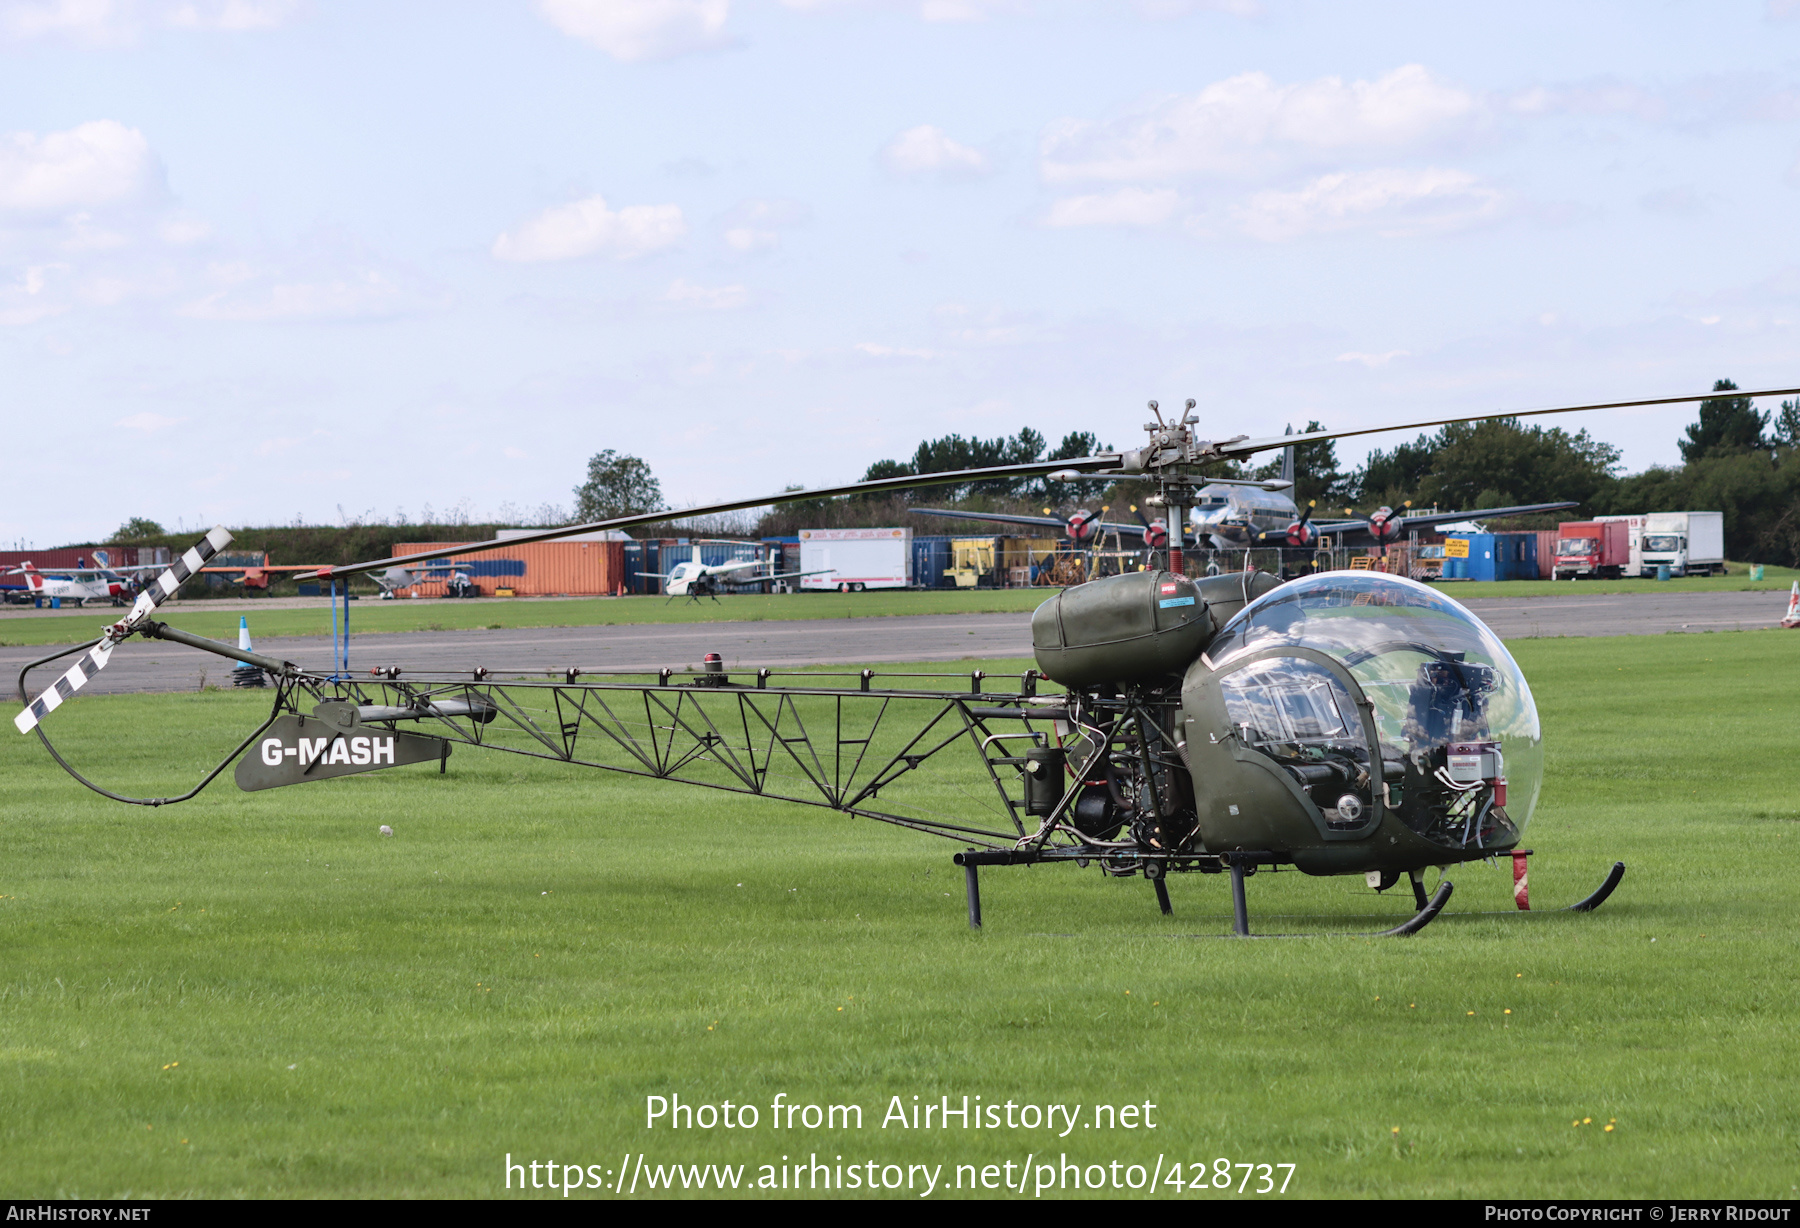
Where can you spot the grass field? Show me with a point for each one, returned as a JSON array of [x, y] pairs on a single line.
[[374, 617], [254, 994]]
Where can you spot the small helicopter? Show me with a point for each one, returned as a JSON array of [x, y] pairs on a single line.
[[1343, 723], [694, 579]]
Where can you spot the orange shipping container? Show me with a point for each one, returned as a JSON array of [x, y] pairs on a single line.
[[1546, 553], [542, 569]]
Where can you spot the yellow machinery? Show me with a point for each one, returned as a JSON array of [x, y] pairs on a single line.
[[972, 562]]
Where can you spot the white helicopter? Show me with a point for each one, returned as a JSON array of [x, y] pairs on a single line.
[[693, 579]]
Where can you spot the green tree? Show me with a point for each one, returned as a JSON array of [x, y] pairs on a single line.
[[953, 452], [1505, 460], [1727, 424], [1787, 425], [138, 529], [617, 486], [1074, 445], [1393, 477]]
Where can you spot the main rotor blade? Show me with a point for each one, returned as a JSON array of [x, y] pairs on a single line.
[[1105, 461], [1247, 447]]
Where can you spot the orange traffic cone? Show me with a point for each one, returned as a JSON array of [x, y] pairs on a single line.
[[1792, 617]]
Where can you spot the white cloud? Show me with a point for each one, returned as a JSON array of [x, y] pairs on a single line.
[[245, 293], [748, 239], [1250, 123], [1124, 207], [1374, 360], [589, 228], [231, 15], [705, 298], [25, 301], [969, 10], [874, 350], [148, 422], [634, 30], [755, 225], [927, 150], [181, 229], [111, 22], [101, 162], [1155, 9], [1389, 202], [981, 10]]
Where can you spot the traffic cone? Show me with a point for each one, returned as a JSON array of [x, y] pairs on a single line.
[[1792, 618], [246, 674]]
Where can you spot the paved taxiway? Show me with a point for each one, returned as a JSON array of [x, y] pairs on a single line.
[[144, 666]]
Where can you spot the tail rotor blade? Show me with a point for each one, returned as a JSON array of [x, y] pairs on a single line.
[[164, 586], [90, 663], [94, 659]]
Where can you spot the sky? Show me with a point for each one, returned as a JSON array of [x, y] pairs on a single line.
[[278, 261]]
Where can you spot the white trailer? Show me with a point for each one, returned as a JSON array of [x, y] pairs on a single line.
[[1688, 543], [1635, 529], [851, 560]]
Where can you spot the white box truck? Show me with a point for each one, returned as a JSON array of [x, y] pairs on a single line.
[[851, 560], [1689, 543], [1634, 566]]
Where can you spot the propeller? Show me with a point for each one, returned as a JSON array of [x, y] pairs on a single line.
[[1384, 523], [1084, 524], [94, 659], [1156, 533], [1301, 533]]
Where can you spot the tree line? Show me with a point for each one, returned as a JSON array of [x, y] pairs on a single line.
[[1734, 458]]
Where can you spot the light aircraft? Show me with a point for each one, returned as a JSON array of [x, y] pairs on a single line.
[[78, 585], [1344, 723]]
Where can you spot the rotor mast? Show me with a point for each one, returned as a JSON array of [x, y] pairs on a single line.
[[1172, 449]]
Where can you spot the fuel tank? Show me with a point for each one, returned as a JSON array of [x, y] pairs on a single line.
[[1128, 628], [1230, 592]]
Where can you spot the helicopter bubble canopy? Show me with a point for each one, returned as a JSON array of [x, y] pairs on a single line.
[[1443, 688]]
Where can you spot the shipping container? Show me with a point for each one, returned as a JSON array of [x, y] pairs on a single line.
[[540, 569], [930, 560], [1546, 553], [1491, 556]]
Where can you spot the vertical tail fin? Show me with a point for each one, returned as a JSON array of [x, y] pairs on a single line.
[[1287, 460]]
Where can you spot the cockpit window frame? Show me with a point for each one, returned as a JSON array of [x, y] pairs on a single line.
[[1365, 712]]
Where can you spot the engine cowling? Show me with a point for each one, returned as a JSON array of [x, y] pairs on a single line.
[[1128, 628]]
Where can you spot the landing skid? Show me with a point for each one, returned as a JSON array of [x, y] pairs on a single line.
[[1240, 866]]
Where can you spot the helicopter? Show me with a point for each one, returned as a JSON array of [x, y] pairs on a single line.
[[694, 579], [1342, 723]]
